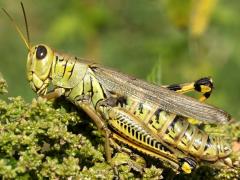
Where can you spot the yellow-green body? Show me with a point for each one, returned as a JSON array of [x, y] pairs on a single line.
[[133, 118]]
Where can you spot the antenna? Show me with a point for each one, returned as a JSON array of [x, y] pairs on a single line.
[[26, 41], [26, 23]]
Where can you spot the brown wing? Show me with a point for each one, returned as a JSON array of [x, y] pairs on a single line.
[[166, 100]]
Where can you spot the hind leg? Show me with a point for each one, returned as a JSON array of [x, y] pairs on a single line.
[[203, 85]]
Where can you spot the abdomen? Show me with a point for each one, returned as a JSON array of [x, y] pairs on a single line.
[[178, 132]]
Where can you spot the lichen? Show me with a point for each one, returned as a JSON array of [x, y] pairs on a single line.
[[56, 140]]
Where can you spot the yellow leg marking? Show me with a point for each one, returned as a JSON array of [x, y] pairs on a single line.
[[186, 168], [188, 164], [190, 87], [187, 87], [203, 85], [181, 88], [202, 99], [205, 89], [100, 123]]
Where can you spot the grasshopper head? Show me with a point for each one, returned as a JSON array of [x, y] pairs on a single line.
[[39, 63], [40, 59]]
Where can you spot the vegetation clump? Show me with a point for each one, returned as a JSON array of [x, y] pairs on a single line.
[[56, 140]]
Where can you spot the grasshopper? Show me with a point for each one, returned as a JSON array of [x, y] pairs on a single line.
[[149, 118]]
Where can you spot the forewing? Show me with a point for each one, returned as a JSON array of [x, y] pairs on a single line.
[[166, 100]]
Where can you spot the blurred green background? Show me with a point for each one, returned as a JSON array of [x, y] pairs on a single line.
[[164, 41]]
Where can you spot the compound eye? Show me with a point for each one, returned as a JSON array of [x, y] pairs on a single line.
[[41, 52]]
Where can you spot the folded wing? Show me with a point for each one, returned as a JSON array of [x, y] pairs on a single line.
[[166, 100]]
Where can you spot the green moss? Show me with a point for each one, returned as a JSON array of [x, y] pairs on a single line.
[[46, 139], [35, 139]]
